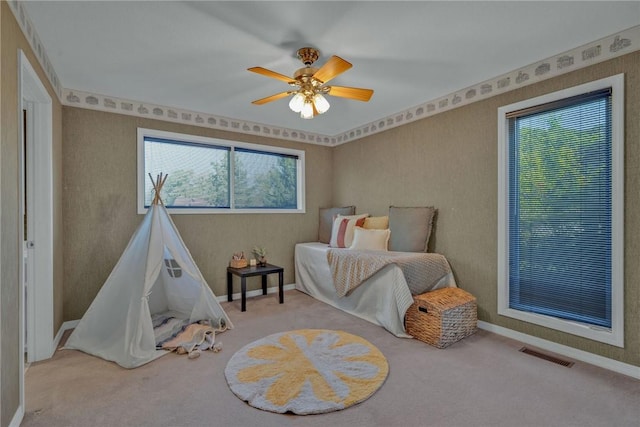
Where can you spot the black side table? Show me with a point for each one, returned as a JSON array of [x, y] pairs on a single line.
[[245, 272]]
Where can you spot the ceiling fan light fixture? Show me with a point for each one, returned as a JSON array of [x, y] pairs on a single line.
[[307, 110], [310, 84], [297, 102], [321, 103]]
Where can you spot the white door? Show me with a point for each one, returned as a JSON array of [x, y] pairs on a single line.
[[36, 191], [27, 218], [27, 214]]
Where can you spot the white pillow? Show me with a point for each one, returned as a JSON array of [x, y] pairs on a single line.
[[342, 229], [370, 239]]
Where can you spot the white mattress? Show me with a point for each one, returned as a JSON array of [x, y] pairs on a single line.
[[383, 299]]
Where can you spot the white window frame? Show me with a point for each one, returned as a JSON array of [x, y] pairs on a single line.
[[615, 335], [141, 176]]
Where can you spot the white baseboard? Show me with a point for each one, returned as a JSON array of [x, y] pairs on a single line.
[[17, 417], [65, 327], [573, 353], [256, 292], [222, 298]]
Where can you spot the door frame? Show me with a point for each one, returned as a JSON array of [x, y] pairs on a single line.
[[35, 99]]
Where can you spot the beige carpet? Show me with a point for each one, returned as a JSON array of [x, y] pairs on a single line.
[[306, 371], [480, 381]]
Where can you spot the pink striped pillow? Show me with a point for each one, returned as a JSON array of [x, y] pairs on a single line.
[[342, 230]]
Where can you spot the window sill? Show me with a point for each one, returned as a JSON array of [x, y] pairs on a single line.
[[613, 336]]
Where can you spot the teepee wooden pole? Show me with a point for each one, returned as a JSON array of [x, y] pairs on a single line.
[[157, 187]]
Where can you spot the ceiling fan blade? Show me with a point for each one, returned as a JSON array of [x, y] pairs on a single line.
[[351, 92], [271, 98], [332, 68], [271, 74]]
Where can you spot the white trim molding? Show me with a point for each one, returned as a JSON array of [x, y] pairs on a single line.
[[573, 353], [17, 417], [601, 50], [231, 145], [620, 43], [35, 99], [71, 324], [33, 38], [615, 334], [257, 292]]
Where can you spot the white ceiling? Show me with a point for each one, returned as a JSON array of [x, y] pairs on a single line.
[[194, 55]]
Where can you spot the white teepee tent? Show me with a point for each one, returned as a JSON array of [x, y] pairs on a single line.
[[155, 274]]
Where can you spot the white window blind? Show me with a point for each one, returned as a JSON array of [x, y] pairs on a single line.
[[560, 209], [210, 175], [265, 180], [199, 173]]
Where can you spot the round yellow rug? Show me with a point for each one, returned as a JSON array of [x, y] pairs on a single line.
[[306, 371]]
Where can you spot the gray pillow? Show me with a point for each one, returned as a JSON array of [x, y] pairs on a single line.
[[410, 228], [326, 221]]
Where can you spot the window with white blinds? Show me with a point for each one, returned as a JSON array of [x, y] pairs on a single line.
[[561, 204], [209, 175]]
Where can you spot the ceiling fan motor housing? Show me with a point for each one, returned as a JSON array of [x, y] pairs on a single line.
[[308, 55], [304, 73]]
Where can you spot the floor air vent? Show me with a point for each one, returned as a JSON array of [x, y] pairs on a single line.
[[553, 359]]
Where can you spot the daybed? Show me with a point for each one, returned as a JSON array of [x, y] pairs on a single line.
[[384, 297]]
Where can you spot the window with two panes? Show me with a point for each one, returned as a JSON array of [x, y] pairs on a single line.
[[213, 176]]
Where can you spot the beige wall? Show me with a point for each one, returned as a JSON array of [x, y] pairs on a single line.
[[450, 161], [12, 39], [100, 207]]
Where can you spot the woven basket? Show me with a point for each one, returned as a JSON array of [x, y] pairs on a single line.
[[238, 263], [442, 317]]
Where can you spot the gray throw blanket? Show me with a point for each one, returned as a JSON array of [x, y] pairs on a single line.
[[422, 271]]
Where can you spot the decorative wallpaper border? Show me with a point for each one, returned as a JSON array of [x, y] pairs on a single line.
[[617, 44], [112, 104], [36, 45]]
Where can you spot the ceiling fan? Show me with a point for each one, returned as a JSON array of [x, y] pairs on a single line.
[[310, 84]]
